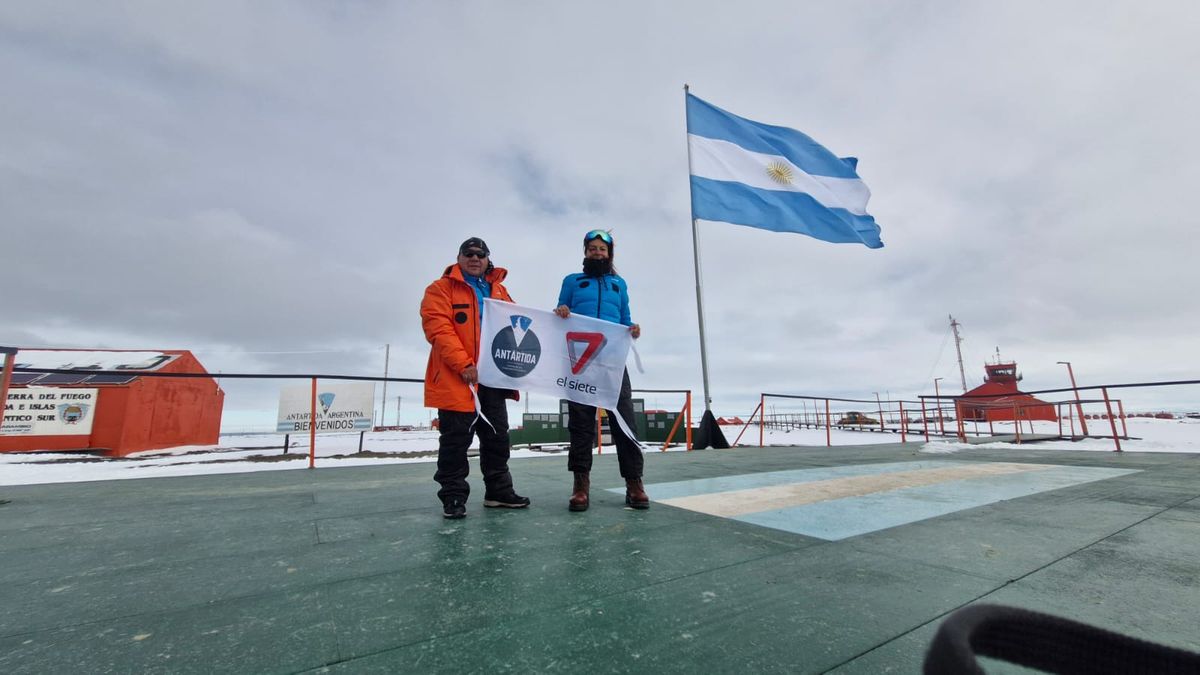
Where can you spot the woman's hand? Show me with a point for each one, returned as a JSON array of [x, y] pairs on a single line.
[[636, 331], [563, 311]]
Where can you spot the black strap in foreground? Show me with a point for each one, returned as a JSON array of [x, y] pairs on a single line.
[[1047, 643]]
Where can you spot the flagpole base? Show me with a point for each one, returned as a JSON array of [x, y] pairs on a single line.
[[709, 434]]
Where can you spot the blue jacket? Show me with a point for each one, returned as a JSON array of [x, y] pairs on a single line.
[[604, 297]]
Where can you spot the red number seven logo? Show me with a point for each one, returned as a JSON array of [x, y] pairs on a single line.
[[594, 341]]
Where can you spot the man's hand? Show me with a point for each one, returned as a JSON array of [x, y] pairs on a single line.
[[470, 375], [563, 311], [636, 331]]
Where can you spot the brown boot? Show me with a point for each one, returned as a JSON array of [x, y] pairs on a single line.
[[579, 494], [635, 494]]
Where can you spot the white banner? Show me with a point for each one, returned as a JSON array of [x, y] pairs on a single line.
[[578, 358], [45, 411], [345, 406]]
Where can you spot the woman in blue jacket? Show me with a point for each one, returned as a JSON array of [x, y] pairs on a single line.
[[600, 292]]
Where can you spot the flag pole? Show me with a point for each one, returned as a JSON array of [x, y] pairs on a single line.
[[696, 256]]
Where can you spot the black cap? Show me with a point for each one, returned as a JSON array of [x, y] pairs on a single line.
[[474, 243]]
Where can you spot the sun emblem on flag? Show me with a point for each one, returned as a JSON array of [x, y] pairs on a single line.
[[780, 173]]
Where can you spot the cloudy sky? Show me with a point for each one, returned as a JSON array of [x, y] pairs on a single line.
[[273, 184]]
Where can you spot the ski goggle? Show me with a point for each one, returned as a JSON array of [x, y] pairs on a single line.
[[598, 234]]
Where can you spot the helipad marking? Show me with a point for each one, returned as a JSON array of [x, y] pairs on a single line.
[[837, 502], [753, 500]]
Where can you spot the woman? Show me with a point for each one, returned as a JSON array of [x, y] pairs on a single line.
[[599, 292]]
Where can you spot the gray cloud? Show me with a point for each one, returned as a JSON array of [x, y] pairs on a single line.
[[239, 178]]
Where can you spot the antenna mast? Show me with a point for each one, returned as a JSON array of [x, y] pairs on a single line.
[[958, 348]]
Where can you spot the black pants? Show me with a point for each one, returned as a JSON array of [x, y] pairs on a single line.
[[582, 424], [456, 434]]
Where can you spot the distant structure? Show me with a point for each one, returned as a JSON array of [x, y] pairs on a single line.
[[1008, 403], [118, 414], [958, 349]]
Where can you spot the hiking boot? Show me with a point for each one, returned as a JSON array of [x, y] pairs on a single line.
[[635, 494], [579, 494], [511, 500], [454, 509]]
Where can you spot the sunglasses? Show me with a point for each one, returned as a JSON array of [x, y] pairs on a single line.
[[598, 234], [474, 254]]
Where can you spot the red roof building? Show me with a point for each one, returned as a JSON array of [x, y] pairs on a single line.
[[998, 399], [118, 414]]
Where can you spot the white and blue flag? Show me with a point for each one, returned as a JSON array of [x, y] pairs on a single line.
[[774, 178]]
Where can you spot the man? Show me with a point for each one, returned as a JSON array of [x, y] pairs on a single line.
[[451, 315]]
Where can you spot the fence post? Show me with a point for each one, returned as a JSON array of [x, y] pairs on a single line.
[[942, 422], [903, 423], [1121, 412], [1112, 422], [10, 359], [828, 433], [924, 420], [674, 428], [312, 428], [689, 420], [1017, 423], [286, 442], [958, 420], [762, 419]]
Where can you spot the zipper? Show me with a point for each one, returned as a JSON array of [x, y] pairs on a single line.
[[599, 295]]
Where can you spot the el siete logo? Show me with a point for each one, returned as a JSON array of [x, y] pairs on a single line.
[[516, 349], [592, 344]]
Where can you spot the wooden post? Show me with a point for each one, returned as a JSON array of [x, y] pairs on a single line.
[[903, 423]]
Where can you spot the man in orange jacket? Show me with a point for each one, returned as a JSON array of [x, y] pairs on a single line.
[[451, 315]]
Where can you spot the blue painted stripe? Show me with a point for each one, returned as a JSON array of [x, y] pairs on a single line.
[[780, 211], [841, 518], [704, 486], [706, 119]]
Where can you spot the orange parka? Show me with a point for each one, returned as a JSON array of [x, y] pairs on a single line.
[[450, 316]]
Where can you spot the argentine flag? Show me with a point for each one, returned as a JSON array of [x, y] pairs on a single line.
[[774, 178]]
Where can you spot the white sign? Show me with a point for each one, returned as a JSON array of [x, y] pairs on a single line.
[[345, 406], [46, 411], [577, 358]]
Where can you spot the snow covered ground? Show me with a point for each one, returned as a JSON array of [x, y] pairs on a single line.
[[264, 452]]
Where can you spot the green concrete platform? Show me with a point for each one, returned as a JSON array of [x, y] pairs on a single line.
[[354, 570]]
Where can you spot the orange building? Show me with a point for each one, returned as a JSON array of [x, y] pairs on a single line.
[[998, 398], [117, 414]]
